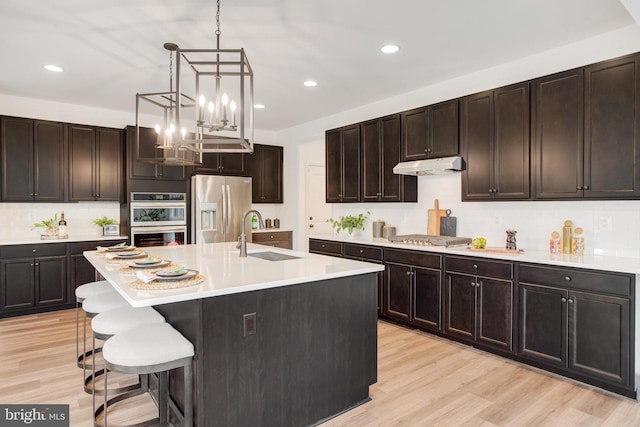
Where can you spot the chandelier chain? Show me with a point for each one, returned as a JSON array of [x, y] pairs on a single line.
[[218, 19]]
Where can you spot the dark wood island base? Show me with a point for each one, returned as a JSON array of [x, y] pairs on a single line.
[[313, 354]]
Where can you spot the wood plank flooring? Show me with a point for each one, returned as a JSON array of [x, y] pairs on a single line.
[[422, 381]]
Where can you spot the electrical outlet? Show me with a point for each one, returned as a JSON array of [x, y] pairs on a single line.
[[249, 325], [604, 224]]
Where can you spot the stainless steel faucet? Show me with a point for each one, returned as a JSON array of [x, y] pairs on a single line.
[[242, 240]]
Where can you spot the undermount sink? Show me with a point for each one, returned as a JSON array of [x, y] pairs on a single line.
[[272, 256]]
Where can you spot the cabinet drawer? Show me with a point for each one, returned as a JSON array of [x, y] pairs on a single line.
[[324, 246], [612, 283], [271, 236], [23, 251], [414, 258], [480, 267], [359, 251], [77, 248]]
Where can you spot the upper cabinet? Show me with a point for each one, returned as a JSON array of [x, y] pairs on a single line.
[[34, 154], [222, 164], [495, 144], [342, 156], [265, 166], [146, 148], [95, 163], [381, 140], [585, 132], [430, 132]]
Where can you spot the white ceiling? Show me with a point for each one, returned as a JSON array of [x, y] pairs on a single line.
[[112, 49]]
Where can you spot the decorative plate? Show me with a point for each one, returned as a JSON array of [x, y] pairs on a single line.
[[156, 264], [167, 275]]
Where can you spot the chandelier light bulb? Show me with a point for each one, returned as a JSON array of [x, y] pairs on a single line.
[[225, 99], [158, 129], [233, 113]]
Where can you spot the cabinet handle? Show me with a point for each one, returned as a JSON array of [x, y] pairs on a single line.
[[567, 278], [579, 187], [37, 264], [34, 251], [586, 187], [563, 299], [310, 218], [324, 246], [570, 301], [473, 283], [310, 225], [475, 266], [30, 265], [361, 251], [408, 273]]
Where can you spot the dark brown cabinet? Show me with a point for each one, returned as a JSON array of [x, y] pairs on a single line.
[[430, 132], [279, 239], [80, 269], [413, 288], [479, 301], [32, 276], [380, 153], [265, 166], [325, 247], [368, 254], [33, 160], [495, 144], [222, 164], [95, 163], [342, 154], [578, 322], [146, 149]]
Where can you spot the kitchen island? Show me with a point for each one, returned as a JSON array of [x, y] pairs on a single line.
[[284, 342]]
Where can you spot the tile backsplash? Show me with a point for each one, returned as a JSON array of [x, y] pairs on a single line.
[[611, 228], [18, 218]]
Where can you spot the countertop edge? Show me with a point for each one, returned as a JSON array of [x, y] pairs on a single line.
[[31, 240]]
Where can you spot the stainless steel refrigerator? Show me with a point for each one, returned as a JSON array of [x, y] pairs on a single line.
[[217, 205]]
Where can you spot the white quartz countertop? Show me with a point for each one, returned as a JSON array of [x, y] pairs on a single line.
[[31, 239], [226, 273], [593, 262]]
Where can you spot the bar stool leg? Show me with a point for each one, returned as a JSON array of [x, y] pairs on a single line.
[[188, 394]]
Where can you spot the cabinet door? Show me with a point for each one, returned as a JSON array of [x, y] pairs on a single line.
[[371, 161], [495, 313], [82, 163], [17, 283], [391, 183], [460, 310], [612, 120], [108, 164], [398, 291], [557, 119], [272, 174], [600, 336], [415, 135], [511, 145], [51, 280], [232, 164], [443, 129], [333, 170], [427, 298], [144, 148], [17, 159], [477, 146], [50, 161], [351, 164], [543, 324]]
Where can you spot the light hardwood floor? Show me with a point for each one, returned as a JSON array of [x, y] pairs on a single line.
[[422, 381]]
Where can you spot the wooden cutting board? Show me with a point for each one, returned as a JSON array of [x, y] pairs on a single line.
[[433, 218], [496, 250]]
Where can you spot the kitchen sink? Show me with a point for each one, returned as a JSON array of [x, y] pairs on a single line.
[[272, 256]]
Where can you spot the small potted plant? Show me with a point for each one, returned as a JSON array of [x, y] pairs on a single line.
[[50, 226], [102, 223], [349, 222]]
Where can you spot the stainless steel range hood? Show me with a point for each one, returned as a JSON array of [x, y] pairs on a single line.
[[429, 167]]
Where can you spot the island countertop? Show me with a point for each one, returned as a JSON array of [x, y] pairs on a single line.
[[226, 273]]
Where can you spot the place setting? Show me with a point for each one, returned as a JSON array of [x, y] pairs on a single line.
[[174, 276]]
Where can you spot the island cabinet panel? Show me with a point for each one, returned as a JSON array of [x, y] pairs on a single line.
[[578, 323], [479, 297], [313, 354], [413, 288], [33, 160]]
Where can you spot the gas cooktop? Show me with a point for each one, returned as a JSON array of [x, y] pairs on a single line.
[[428, 240]]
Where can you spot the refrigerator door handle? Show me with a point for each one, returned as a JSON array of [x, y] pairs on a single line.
[[229, 211], [224, 210]]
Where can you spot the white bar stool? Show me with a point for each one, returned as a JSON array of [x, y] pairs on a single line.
[[93, 306], [83, 292], [155, 348], [112, 322]]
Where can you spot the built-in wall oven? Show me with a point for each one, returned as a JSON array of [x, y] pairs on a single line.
[[158, 219]]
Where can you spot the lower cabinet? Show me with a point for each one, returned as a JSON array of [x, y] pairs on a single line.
[[577, 322], [33, 276], [368, 254], [479, 301], [413, 288], [80, 270], [278, 239]]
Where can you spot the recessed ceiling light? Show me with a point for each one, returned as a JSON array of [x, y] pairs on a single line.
[[258, 106], [54, 68], [310, 83], [390, 48]]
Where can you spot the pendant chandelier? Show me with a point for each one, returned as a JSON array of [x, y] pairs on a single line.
[[219, 118]]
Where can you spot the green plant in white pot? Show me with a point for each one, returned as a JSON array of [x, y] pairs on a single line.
[[101, 222], [349, 222]]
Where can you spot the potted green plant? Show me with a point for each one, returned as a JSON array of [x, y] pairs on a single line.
[[50, 225], [101, 222], [349, 222]]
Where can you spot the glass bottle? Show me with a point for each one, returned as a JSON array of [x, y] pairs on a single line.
[[578, 242], [62, 225], [567, 235], [555, 247]]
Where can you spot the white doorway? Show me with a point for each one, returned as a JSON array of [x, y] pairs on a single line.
[[317, 211]]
